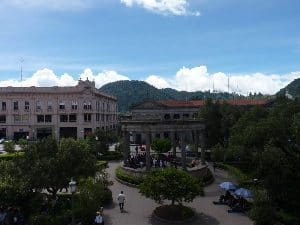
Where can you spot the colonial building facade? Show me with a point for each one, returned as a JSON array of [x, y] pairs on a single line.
[[176, 120], [36, 112]]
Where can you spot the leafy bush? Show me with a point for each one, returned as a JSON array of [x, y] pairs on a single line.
[[101, 164], [91, 196], [236, 172], [11, 156], [120, 174], [111, 155], [171, 184], [9, 146], [262, 211], [287, 218], [161, 145]]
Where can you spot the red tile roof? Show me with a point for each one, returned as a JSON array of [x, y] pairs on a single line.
[[198, 103]]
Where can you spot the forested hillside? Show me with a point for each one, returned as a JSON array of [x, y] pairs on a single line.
[[129, 93], [293, 88]]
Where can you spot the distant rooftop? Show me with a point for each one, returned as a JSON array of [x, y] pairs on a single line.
[[198, 103], [79, 88]]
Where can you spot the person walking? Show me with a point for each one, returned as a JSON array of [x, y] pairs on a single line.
[[99, 219], [121, 200]]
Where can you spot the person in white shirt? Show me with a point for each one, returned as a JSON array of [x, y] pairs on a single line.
[[99, 219], [121, 200]]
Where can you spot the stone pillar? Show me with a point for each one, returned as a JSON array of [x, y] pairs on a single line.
[[202, 144], [173, 140], [183, 150], [196, 133], [148, 163], [126, 150]]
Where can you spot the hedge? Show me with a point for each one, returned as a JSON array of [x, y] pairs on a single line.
[[236, 172], [120, 174], [11, 156], [111, 155], [101, 164]]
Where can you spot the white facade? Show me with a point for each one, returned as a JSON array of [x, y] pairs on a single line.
[[35, 112]]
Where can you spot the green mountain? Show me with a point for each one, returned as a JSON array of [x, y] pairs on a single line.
[[293, 88], [132, 92]]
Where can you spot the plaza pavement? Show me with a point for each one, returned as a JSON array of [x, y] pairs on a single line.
[[138, 209]]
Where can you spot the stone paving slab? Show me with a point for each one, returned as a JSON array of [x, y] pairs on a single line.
[[138, 209]]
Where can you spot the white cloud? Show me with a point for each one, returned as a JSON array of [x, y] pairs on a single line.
[[165, 7], [47, 78], [198, 79], [102, 78], [188, 79]]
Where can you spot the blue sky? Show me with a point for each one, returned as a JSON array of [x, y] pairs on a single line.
[[184, 44]]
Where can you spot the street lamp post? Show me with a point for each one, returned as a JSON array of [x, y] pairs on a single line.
[[72, 186]]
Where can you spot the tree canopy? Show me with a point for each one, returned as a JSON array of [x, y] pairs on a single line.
[[171, 184], [161, 145]]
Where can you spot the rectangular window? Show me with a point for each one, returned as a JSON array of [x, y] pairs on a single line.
[[26, 107], [49, 106], [62, 106], [16, 105], [72, 118], [17, 118], [40, 118], [87, 105], [3, 106], [48, 118], [185, 116], [25, 118], [87, 117], [38, 105], [63, 118], [74, 105], [97, 117], [102, 117], [2, 118]]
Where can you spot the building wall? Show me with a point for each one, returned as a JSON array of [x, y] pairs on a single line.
[[36, 105]]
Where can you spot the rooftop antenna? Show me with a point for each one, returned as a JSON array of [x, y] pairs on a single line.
[[21, 61]]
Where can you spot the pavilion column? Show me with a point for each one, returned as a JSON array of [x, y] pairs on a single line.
[[183, 150], [173, 139], [126, 149], [196, 133], [148, 142], [202, 145]]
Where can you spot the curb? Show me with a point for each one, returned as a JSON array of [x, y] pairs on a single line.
[[126, 183]]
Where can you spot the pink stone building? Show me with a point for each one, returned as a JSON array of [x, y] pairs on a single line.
[[36, 112]]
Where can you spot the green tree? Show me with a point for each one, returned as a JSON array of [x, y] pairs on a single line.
[[263, 211], [9, 146], [93, 194], [171, 184], [161, 145], [49, 165], [102, 139], [23, 143]]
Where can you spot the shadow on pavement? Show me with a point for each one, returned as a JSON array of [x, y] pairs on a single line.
[[112, 205], [200, 218]]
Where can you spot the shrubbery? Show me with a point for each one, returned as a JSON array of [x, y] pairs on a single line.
[[120, 174], [111, 155]]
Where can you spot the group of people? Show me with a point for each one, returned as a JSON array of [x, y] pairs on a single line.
[[99, 220], [236, 204], [11, 216]]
